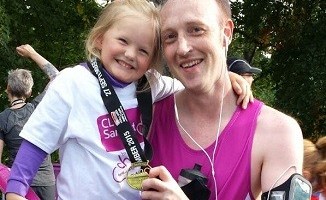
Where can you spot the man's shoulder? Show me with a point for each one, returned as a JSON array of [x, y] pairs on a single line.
[[273, 118], [275, 127]]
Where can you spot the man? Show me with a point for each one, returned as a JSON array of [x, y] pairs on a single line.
[[242, 152], [241, 67]]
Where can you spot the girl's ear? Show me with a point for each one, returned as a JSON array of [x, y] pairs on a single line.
[[98, 42]]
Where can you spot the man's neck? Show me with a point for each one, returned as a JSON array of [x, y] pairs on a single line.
[[200, 114], [208, 102]]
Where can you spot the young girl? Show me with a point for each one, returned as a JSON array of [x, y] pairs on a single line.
[[73, 117]]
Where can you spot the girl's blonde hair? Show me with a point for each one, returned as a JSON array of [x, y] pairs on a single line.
[[118, 10]]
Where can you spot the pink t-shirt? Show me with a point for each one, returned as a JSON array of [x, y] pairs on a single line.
[[233, 153]]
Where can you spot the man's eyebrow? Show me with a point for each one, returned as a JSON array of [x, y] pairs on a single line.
[[164, 31]]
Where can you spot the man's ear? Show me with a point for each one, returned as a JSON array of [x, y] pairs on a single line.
[[228, 32]]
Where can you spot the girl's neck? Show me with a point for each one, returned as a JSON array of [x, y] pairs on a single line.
[[115, 82]]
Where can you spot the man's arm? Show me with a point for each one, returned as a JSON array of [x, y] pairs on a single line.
[[277, 150], [161, 185]]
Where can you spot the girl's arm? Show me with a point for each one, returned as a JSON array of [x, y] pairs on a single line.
[[163, 86], [23, 170], [242, 88]]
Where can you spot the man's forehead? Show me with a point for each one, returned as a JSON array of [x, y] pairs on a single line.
[[188, 11], [194, 4]]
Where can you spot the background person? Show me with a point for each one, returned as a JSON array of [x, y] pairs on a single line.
[[314, 166], [242, 67], [12, 119]]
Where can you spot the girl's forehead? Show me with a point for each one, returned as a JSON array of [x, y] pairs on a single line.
[[130, 23], [135, 29]]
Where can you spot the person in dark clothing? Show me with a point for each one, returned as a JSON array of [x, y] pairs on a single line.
[[13, 118]]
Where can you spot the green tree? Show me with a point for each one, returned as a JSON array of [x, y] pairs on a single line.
[[56, 29], [286, 38], [300, 68], [4, 49]]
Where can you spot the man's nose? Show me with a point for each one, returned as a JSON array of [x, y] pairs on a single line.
[[183, 46]]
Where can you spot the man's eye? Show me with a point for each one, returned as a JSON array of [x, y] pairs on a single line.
[[169, 38], [196, 30]]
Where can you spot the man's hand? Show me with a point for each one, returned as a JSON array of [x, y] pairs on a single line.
[[13, 196], [161, 185]]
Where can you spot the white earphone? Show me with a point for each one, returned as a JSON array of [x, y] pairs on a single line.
[[226, 40], [227, 43]]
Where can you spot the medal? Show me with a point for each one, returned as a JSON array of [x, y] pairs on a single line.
[[137, 173]]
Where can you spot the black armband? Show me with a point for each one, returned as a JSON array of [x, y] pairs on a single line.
[[295, 188]]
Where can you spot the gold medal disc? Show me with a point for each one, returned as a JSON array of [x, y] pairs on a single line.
[[137, 173]]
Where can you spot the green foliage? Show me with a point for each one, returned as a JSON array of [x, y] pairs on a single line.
[[4, 49], [304, 61], [300, 68], [56, 29], [286, 39]]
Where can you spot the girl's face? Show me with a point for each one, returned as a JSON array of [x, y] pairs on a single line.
[[127, 48]]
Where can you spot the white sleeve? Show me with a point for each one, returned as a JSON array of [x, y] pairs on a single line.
[[162, 86], [49, 120]]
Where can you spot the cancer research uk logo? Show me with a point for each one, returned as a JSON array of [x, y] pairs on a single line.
[[109, 135]]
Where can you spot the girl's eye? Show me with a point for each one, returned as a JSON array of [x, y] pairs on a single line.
[[143, 51], [123, 40]]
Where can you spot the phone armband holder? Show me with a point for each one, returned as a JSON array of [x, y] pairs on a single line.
[[295, 188]]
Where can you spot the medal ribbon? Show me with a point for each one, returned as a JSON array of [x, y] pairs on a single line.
[[117, 113]]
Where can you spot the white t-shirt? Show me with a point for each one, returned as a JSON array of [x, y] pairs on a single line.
[[73, 118]]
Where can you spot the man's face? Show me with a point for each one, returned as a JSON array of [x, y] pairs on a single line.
[[193, 41]]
